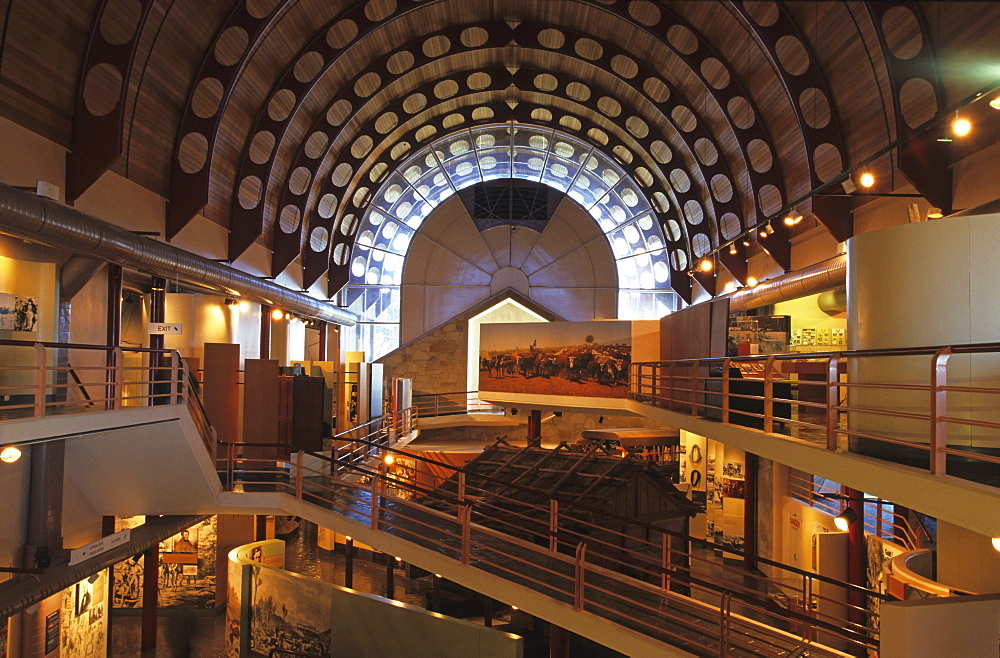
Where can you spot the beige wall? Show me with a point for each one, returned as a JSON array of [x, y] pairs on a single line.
[[967, 560]]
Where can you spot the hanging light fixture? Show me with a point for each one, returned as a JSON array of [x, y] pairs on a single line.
[[732, 249], [793, 219], [867, 179], [934, 213], [845, 519], [706, 265]]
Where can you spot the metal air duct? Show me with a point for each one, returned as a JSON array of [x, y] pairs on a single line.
[[33, 218], [823, 276]]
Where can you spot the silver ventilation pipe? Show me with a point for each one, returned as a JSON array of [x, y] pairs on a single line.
[[826, 275], [33, 218]]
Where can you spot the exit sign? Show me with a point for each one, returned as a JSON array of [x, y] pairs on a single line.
[[165, 328]]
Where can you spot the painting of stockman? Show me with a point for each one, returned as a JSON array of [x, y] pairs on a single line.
[[588, 359]]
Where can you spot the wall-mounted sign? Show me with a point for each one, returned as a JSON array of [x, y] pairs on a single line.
[[97, 547], [165, 328]]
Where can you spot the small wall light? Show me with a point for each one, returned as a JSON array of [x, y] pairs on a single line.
[[751, 281], [845, 519], [934, 213], [792, 220], [230, 301], [10, 454], [732, 249], [996, 543], [995, 103], [389, 459], [961, 126], [277, 314], [244, 306], [867, 179]]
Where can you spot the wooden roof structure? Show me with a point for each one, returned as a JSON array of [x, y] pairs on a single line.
[[279, 119], [521, 480]]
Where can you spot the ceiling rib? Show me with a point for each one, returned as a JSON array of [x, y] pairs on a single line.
[[189, 184], [99, 125]]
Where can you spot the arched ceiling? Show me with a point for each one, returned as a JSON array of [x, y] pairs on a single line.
[[280, 119]]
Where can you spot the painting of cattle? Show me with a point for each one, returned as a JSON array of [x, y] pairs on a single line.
[[588, 359]]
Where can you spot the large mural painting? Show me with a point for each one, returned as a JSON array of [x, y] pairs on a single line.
[[588, 359]]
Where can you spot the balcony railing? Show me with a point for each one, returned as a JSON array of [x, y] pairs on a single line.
[[37, 380], [925, 416], [429, 405], [658, 582]]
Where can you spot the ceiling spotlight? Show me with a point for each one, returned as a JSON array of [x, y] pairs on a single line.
[[10, 454], [277, 314], [706, 265], [996, 543], [729, 287], [792, 220], [961, 126], [746, 242], [845, 519], [995, 103], [732, 249], [934, 213], [867, 179], [751, 282], [230, 301], [244, 306]]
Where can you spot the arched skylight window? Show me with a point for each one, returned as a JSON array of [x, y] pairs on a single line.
[[501, 151]]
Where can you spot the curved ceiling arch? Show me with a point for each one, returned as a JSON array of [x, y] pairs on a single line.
[[330, 138], [442, 120], [359, 166]]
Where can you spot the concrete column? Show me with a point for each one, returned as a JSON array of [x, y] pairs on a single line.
[[150, 595]]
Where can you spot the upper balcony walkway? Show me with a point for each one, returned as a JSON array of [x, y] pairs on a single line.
[[623, 583]]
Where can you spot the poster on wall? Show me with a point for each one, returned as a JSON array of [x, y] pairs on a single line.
[[187, 569], [290, 613], [588, 359], [755, 334], [51, 632], [18, 313]]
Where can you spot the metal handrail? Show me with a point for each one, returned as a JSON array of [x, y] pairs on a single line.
[[474, 512], [682, 386], [46, 391], [442, 404]]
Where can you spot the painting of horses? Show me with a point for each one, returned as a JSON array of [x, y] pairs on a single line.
[[587, 359]]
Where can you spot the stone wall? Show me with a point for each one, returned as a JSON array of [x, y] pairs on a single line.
[[436, 362]]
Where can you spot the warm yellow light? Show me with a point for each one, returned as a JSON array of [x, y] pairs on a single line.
[[705, 265], [996, 543], [389, 459], [867, 179], [995, 103], [732, 249], [729, 287], [792, 220], [841, 524], [244, 306], [751, 281], [961, 127], [934, 213], [763, 231], [10, 454], [277, 314], [288, 316], [513, 607], [399, 559]]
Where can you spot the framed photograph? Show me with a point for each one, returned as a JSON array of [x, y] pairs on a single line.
[[189, 570], [84, 597]]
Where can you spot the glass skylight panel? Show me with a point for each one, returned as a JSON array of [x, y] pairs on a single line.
[[464, 170], [535, 139], [646, 304], [495, 163]]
